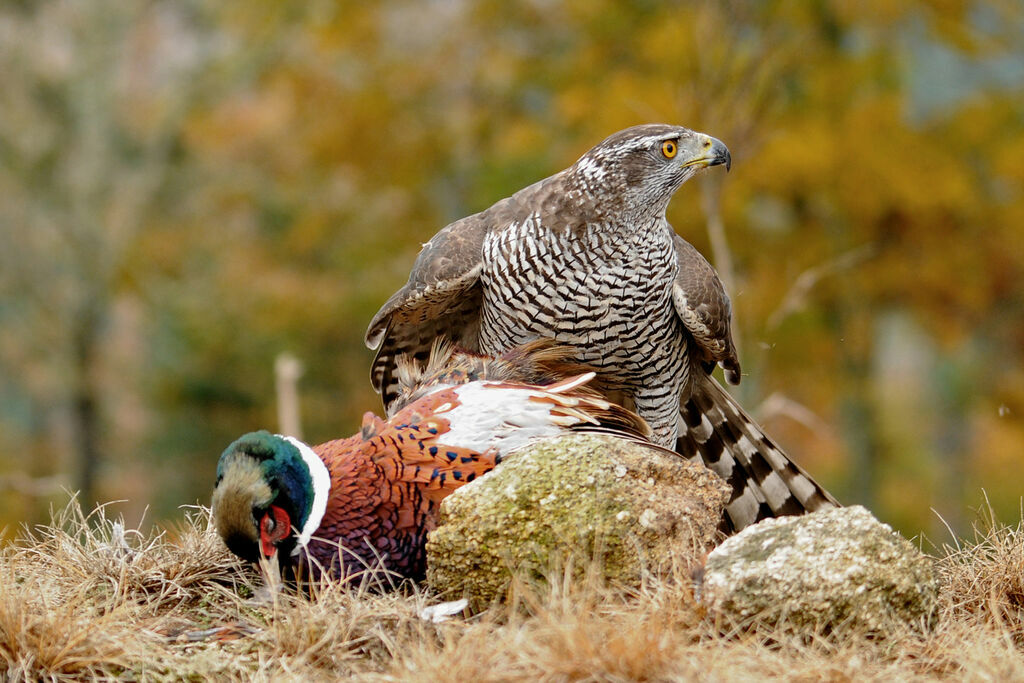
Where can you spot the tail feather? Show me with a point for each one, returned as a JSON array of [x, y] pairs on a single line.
[[765, 482]]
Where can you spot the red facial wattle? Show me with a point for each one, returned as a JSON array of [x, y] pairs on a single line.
[[274, 527]]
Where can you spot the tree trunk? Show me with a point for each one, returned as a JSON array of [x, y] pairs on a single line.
[[85, 415]]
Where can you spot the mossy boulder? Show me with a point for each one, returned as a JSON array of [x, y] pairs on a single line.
[[830, 568], [577, 498]]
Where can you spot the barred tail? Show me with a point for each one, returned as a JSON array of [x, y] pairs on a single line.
[[765, 482]]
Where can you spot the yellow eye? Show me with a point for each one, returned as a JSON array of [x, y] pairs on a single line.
[[668, 148]]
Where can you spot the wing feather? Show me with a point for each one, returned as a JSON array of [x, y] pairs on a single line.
[[445, 268], [441, 299], [443, 296], [703, 306]]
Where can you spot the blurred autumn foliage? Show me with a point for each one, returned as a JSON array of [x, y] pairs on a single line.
[[189, 189]]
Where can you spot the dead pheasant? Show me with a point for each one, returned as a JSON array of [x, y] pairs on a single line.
[[369, 500]]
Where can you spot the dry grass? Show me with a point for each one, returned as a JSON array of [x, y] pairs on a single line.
[[84, 597]]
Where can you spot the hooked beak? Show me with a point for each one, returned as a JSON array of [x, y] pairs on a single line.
[[713, 152]]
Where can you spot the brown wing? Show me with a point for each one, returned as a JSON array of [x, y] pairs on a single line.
[[443, 295], [441, 299], [703, 306]]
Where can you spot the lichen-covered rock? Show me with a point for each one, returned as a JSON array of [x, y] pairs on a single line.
[[830, 568], [582, 497]]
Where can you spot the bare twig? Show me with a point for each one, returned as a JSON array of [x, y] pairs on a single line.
[[796, 298], [721, 255], [37, 487], [780, 405]]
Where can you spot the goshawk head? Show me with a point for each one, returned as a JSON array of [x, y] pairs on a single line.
[[637, 170]]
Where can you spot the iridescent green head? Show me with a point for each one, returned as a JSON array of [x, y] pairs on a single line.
[[270, 495]]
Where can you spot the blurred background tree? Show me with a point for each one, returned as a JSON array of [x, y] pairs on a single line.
[[191, 189]]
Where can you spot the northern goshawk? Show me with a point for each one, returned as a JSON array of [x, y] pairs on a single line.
[[586, 257]]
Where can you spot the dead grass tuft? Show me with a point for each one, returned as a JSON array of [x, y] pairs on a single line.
[[985, 579], [45, 633], [93, 551], [87, 597]]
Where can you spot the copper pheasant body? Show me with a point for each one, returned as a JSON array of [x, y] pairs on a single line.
[[587, 257], [369, 501]]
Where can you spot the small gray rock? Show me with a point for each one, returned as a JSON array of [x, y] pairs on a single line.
[[574, 498], [828, 568]]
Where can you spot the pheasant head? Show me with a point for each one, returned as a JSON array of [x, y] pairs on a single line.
[[270, 495]]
